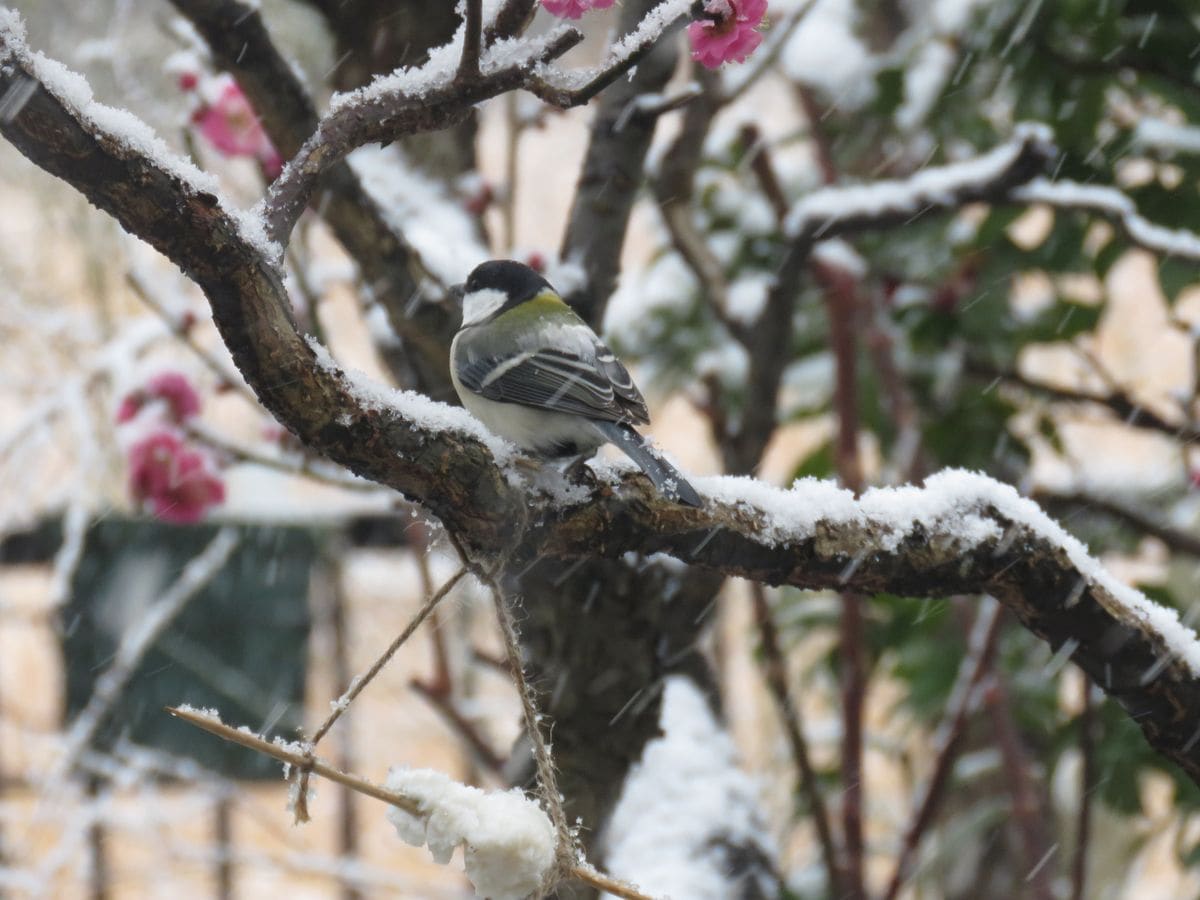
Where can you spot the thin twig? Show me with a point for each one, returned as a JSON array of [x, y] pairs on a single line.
[[510, 20], [841, 300], [854, 686], [612, 68], [358, 684], [1026, 807], [566, 851], [1176, 539], [1123, 406], [588, 875], [181, 330], [760, 164], [383, 116], [1116, 206], [295, 755], [443, 703], [1087, 780], [303, 759], [315, 469], [775, 671], [468, 66], [766, 57], [981, 648]]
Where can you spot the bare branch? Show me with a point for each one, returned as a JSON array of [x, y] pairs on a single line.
[[981, 647], [547, 781], [775, 672], [468, 67], [1144, 522], [293, 755], [1123, 406], [1026, 809], [444, 704], [1087, 787], [356, 687], [358, 684]]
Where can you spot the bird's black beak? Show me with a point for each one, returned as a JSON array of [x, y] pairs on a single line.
[[456, 292]]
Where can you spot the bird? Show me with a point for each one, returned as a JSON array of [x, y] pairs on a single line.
[[532, 371]]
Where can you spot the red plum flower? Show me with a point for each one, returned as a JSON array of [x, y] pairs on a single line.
[[573, 9], [172, 479], [232, 127], [727, 31], [172, 387]]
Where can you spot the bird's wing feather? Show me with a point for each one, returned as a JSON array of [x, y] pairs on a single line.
[[559, 380]]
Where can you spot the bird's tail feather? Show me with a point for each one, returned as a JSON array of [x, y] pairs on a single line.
[[665, 476]]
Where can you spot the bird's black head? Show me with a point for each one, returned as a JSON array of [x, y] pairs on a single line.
[[516, 280]]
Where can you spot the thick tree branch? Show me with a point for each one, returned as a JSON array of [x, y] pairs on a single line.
[[1134, 650], [240, 44], [250, 307]]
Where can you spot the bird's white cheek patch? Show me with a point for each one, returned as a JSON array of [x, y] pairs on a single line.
[[478, 305]]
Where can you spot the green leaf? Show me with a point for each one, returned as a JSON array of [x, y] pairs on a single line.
[[818, 464], [1176, 274], [1060, 321]]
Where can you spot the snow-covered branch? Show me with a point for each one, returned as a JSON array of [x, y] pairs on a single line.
[[566, 89], [962, 533], [834, 211], [430, 98], [1118, 208]]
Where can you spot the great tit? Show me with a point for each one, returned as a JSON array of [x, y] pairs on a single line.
[[532, 371]]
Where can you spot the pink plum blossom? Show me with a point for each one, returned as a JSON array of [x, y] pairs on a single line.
[[573, 9], [231, 126], [172, 479], [171, 387], [727, 31]]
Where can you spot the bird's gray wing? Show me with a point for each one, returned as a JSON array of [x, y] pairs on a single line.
[[547, 378]]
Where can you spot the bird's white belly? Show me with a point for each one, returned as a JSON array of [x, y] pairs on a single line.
[[538, 431]]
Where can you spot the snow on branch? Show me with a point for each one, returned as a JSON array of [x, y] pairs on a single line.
[[962, 533], [431, 97], [508, 841], [565, 89], [835, 211], [1118, 208], [399, 440], [124, 131]]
